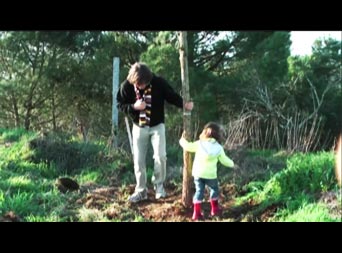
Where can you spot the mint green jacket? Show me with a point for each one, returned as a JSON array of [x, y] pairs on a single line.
[[208, 153]]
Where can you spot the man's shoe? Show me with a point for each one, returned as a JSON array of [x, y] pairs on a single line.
[[160, 192], [138, 196]]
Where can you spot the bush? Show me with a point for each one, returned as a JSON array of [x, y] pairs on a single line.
[[65, 154], [12, 135]]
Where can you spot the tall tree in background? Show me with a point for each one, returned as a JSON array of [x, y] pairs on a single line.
[[326, 68], [183, 48], [61, 81], [30, 57]]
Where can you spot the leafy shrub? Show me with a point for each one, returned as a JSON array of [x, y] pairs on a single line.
[[305, 173], [65, 154], [11, 135]]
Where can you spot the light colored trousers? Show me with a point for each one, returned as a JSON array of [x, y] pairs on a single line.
[[141, 138]]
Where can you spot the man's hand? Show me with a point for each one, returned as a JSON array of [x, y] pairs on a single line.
[[139, 105]]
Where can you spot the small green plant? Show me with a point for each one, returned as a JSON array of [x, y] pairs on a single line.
[[89, 176], [309, 212], [12, 135], [20, 203], [43, 218]]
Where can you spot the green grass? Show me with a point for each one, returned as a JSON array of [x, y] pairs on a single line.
[[21, 203], [12, 135], [43, 218], [305, 176], [89, 176], [308, 212], [27, 185]]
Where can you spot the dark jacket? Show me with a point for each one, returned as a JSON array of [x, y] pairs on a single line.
[[161, 91]]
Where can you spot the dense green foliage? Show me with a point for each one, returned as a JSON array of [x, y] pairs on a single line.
[[62, 81], [297, 188]]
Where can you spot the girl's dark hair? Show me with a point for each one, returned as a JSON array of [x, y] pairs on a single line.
[[216, 131]]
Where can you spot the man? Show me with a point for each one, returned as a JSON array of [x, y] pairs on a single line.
[[142, 97]]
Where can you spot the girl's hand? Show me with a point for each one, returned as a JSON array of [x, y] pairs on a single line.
[[189, 105]]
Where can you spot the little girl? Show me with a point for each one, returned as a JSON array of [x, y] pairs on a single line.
[[204, 170]]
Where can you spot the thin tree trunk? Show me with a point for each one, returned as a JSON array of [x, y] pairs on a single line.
[[187, 158], [15, 110], [27, 120], [338, 164], [54, 118]]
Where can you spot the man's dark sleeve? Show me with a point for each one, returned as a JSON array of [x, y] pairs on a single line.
[[125, 100], [170, 95]]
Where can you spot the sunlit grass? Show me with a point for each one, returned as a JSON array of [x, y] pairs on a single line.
[[28, 188], [11, 135], [305, 176], [312, 212], [139, 218], [89, 176], [21, 183], [19, 150], [20, 203], [308, 173], [43, 218], [2, 200], [91, 215]]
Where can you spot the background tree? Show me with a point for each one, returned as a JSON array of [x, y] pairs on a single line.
[[61, 81]]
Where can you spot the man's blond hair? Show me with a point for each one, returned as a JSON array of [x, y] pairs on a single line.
[[139, 73]]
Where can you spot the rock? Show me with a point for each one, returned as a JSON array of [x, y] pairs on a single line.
[[65, 184]]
